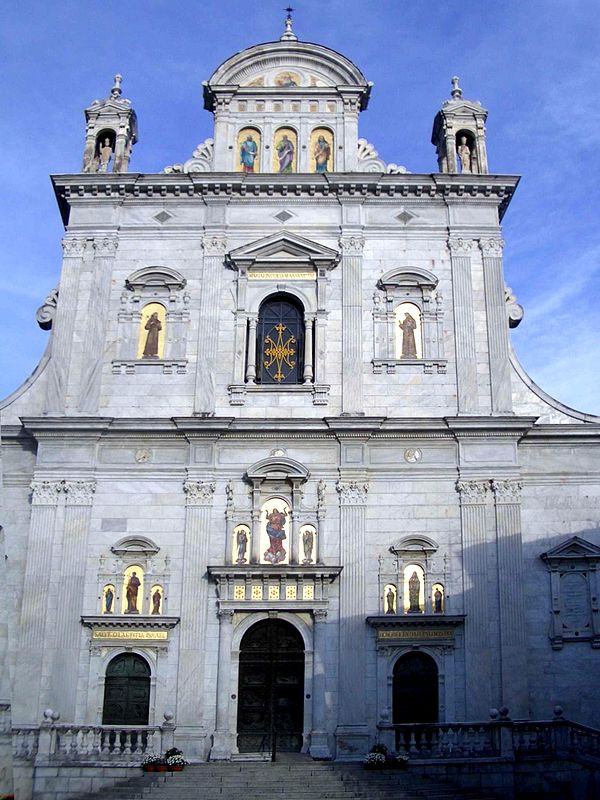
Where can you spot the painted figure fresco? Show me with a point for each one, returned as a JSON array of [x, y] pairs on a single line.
[[242, 546], [109, 597], [285, 154], [133, 586], [276, 532], [287, 79], [409, 346], [248, 153], [322, 154], [153, 326]]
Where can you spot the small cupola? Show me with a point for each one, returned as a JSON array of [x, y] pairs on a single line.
[[111, 132], [459, 135]]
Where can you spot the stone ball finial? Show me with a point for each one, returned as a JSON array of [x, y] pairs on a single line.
[[504, 712], [48, 713], [494, 713], [456, 90], [168, 716], [558, 712]]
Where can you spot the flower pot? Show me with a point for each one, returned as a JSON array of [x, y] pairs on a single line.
[[161, 768], [149, 767], [177, 768]]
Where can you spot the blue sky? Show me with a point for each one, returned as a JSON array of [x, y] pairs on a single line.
[[535, 65]]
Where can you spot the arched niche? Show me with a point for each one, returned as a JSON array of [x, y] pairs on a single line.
[[152, 331], [285, 150], [248, 151], [132, 593], [321, 150]]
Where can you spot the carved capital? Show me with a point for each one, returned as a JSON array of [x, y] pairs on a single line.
[[80, 493], [459, 246], [507, 491], [473, 492], [352, 493], [45, 314], [225, 616], [45, 493], [106, 246], [352, 245], [214, 245], [199, 493], [320, 615], [492, 248], [74, 247]]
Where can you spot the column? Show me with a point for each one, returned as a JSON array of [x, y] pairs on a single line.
[[222, 739], [64, 324], [351, 733], [464, 326], [474, 497], [194, 598], [512, 629], [319, 744], [93, 324], [497, 326], [214, 247], [251, 356], [308, 375], [352, 340], [65, 668], [28, 704]]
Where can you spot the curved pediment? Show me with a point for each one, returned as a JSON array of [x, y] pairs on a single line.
[[408, 276], [156, 277], [414, 544], [135, 546], [277, 468]]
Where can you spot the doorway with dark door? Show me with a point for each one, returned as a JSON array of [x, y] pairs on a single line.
[[271, 688], [415, 689]]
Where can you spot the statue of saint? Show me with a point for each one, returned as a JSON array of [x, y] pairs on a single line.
[[156, 600], [104, 156], [248, 153], [131, 594], [409, 346], [390, 599], [276, 533], [242, 545], [153, 326], [322, 154], [285, 154], [109, 596], [464, 153], [321, 486], [414, 589], [438, 599], [308, 541], [229, 493]]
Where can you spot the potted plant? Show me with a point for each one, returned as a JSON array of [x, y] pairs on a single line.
[[376, 757], [397, 760], [150, 762], [176, 763]]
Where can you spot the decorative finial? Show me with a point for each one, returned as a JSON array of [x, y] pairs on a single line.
[[289, 35], [456, 90], [116, 91]]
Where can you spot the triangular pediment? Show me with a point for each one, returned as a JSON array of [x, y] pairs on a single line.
[[283, 248], [573, 548]]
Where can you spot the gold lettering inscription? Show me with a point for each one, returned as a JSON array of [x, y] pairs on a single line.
[[126, 634], [281, 275], [449, 634]]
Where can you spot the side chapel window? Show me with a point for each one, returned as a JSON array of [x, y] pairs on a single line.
[[280, 341]]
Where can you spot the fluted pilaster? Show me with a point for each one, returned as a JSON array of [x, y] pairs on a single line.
[[352, 362], [214, 247], [464, 325], [497, 326], [319, 745]]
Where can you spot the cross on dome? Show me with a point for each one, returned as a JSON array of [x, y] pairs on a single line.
[[289, 35]]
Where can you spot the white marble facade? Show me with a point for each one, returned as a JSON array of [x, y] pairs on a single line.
[[447, 461]]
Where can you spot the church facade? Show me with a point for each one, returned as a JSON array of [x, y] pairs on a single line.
[[279, 474]]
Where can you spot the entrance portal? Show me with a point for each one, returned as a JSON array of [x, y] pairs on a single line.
[[415, 689], [271, 688], [126, 691]]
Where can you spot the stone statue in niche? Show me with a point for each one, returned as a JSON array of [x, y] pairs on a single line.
[[438, 601], [153, 326], [285, 154], [276, 533], [156, 601], [409, 346], [322, 154], [321, 487], [414, 590], [390, 600], [104, 156], [109, 597], [131, 594], [248, 153], [308, 541], [464, 153], [242, 546]]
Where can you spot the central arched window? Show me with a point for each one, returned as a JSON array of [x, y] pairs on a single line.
[[280, 341]]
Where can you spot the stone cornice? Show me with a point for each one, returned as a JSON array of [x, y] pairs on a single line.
[[73, 188], [399, 621], [132, 621]]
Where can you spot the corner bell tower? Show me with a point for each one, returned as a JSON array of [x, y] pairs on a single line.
[[111, 132], [459, 134]]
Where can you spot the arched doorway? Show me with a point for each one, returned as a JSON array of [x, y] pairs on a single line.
[[415, 689], [271, 688], [126, 691]]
